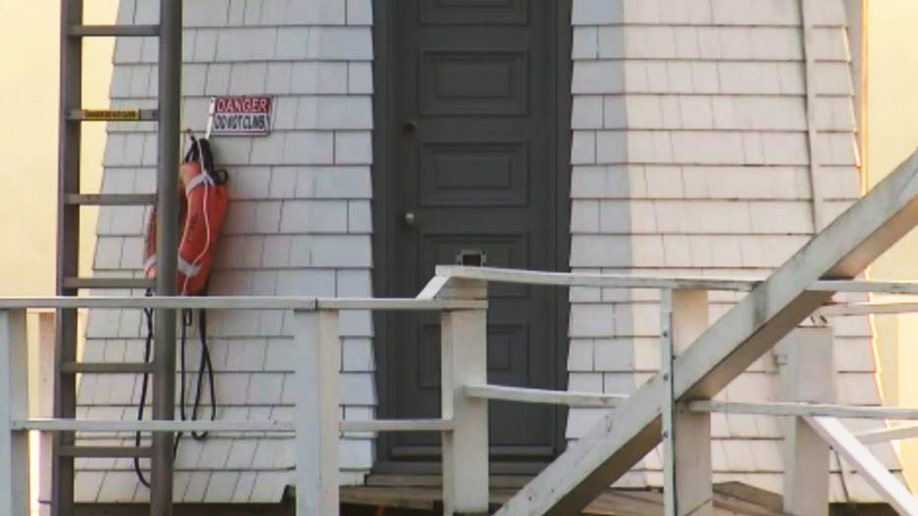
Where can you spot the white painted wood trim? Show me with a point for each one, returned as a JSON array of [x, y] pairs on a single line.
[[383, 304], [873, 471], [433, 287], [235, 427], [14, 393], [464, 359], [882, 435], [398, 425], [806, 377], [861, 309], [44, 394], [866, 286], [804, 409], [317, 359], [692, 471], [243, 303], [155, 302], [810, 73], [856, 46], [102, 425], [492, 274], [439, 304], [528, 395]]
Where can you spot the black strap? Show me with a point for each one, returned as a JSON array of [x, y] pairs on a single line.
[[148, 347], [204, 363], [186, 321]]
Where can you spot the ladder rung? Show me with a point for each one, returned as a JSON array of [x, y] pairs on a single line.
[[112, 115], [110, 199], [108, 452], [107, 367], [114, 30], [108, 283]]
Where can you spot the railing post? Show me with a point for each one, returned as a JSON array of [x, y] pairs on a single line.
[[317, 360], [464, 360], [44, 394], [14, 404], [687, 435], [807, 376]]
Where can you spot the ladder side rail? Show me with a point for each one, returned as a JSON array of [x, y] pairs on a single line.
[[68, 247], [168, 157]]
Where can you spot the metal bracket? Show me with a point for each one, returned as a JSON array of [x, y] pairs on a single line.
[[471, 258]]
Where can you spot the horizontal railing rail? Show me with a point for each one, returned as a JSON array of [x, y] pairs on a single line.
[[217, 426], [893, 433], [579, 279], [310, 304], [656, 282], [109, 425], [855, 309], [804, 409], [544, 396]]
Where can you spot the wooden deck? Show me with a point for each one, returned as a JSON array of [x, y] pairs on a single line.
[[394, 494]]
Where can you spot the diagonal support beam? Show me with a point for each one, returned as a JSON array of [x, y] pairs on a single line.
[[752, 327], [866, 463]]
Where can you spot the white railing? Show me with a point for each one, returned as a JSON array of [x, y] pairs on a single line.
[[316, 424], [686, 425], [459, 294]]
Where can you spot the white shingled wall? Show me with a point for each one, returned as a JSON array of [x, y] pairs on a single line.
[[690, 157], [299, 224]]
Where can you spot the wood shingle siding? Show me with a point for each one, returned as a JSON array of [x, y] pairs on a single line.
[[690, 156], [299, 224]]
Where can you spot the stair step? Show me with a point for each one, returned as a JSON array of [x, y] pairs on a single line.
[[125, 283], [113, 30], [108, 452], [113, 115], [110, 199], [107, 367]]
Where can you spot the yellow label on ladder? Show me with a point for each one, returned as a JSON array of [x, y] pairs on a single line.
[[110, 114]]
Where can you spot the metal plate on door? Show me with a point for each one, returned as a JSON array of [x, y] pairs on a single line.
[[471, 258]]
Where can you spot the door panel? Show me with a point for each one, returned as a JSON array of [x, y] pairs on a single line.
[[474, 83], [474, 153], [471, 174], [472, 12]]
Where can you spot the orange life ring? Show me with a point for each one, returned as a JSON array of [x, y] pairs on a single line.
[[203, 201]]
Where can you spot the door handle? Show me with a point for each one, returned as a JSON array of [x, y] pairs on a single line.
[[409, 128], [409, 219]]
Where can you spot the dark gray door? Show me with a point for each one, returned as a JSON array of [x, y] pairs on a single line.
[[474, 157]]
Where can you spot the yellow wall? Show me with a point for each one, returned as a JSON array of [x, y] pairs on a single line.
[[892, 135], [28, 149]]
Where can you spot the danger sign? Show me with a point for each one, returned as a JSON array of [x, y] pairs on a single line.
[[241, 116]]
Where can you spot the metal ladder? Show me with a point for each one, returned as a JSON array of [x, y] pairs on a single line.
[[68, 283]]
